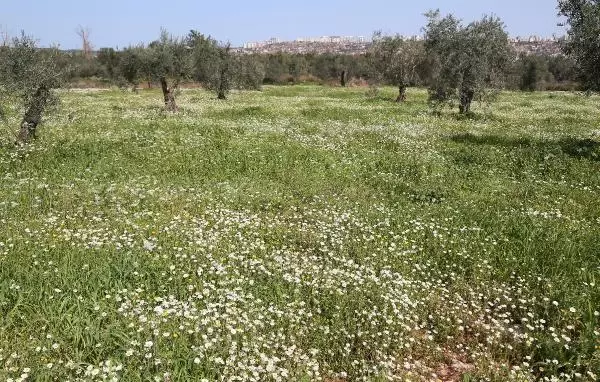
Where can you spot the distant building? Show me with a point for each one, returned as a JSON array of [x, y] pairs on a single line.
[[360, 45]]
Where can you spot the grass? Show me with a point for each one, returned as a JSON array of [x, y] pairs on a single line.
[[302, 233]]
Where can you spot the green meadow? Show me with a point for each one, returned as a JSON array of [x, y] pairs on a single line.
[[302, 233]]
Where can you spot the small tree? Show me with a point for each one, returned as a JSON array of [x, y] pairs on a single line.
[[134, 66], [298, 67], [204, 56], [220, 70], [329, 66], [213, 64], [534, 73], [170, 60], [224, 85], [563, 68], [128, 68], [109, 59], [395, 61], [583, 44], [30, 75], [280, 67], [248, 72], [470, 62]]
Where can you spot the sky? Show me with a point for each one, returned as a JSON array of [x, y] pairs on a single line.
[[120, 23]]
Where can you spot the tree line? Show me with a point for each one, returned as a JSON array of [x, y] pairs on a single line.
[[526, 71], [457, 63]]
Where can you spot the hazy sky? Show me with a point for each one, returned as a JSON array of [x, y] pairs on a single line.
[[123, 22]]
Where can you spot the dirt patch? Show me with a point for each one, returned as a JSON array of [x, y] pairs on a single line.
[[453, 370]]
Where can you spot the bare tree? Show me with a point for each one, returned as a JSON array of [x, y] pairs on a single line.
[[4, 36], [86, 45]]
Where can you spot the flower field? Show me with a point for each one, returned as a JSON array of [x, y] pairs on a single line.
[[302, 233]]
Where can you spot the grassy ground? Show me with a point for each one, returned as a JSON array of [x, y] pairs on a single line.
[[302, 233]]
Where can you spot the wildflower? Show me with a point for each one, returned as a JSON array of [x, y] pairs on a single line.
[[149, 246]]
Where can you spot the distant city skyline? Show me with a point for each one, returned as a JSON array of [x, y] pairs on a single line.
[[361, 39], [121, 23], [359, 45]]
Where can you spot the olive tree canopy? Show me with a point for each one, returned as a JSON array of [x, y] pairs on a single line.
[[470, 61], [132, 64]]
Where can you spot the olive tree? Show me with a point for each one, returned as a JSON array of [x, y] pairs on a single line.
[[205, 57], [109, 59], [30, 75], [130, 65], [223, 84], [395, 61], [212, 63], [470, 61], [169, 59], [248, 72], [583, 44], [533, 72], [220, 70], [237, 71]]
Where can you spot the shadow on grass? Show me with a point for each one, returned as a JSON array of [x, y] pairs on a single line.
[[576, 148]]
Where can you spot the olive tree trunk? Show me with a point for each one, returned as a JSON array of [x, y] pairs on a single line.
[[401, 93], [222, 94], [33, 115], [466, 98], [343, 79], [168, 94], [223, 82]]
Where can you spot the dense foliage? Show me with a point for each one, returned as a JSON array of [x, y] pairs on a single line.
[[583, 18], [396, 61], [541, 72], [389, 60], [286, 68]]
